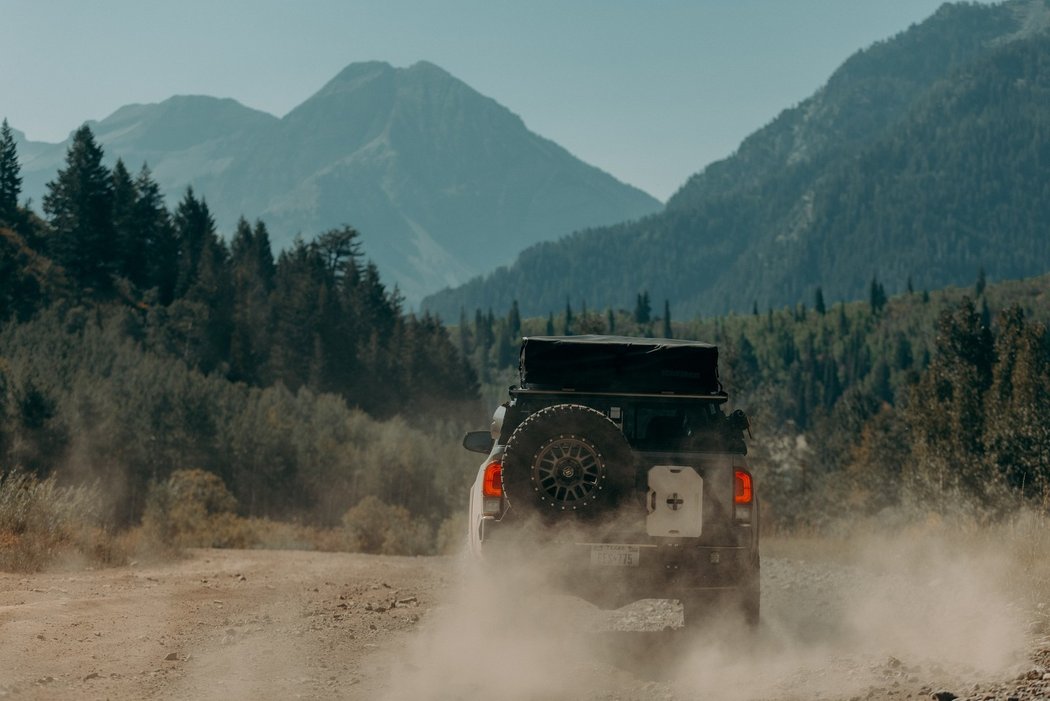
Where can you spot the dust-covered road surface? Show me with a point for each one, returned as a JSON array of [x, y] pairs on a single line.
[[228, 624]]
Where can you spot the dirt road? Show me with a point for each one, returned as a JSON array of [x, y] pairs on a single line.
[[285, 625]]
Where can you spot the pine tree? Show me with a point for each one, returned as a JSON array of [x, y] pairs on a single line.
[[211, 292], [514, 321], [160, 249], [818, 302], [252, 270], [194, 228], [129, 253], [947, 408], [341, 250], [299, 299], [877, 296], [668, 333], [465, 345], [10, 175], [642, 309], [79, 204]]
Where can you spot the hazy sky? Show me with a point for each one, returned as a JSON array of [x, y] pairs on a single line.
[[650, 90]]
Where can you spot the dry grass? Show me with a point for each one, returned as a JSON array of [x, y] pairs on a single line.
[[43, 524]]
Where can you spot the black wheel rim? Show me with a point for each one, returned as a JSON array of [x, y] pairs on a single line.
[[568, 471]]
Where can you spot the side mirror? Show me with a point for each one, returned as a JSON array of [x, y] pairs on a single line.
[[738, 421], [478, 441]]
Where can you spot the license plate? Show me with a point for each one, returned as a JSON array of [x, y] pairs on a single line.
[[615, 555]]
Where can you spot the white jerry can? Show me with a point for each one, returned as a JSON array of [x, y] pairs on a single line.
[[675, 502]]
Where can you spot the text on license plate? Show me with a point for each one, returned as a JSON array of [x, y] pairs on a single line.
[[615, 555]]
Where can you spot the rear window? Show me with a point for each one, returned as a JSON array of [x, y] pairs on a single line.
[[664, 426]]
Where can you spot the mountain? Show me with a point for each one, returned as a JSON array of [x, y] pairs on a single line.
[[443, 182], [924, 157]]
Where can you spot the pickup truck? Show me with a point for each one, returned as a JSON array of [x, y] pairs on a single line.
[[614, 463]]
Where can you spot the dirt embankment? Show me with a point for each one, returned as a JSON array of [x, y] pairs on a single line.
[[284, 625]]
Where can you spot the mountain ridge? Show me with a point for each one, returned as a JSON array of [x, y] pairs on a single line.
[[753, 229], [442, 181]]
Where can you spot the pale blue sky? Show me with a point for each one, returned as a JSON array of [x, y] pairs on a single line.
[[650, 91]]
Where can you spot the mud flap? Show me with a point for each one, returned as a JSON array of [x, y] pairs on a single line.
[[675, 502]]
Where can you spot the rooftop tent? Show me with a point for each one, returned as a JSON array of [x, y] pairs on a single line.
[[619, 364]]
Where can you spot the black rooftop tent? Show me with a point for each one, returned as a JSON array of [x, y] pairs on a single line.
[[619, 364]]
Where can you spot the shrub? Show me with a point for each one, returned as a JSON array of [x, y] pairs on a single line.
[[373, 526], [193, 508]]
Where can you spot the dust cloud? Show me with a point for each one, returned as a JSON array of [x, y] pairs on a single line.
[[871, 616]]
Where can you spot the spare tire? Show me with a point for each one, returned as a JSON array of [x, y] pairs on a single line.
[[566, 458]]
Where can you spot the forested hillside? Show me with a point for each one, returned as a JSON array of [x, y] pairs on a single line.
[[923, 157], [136, 344]]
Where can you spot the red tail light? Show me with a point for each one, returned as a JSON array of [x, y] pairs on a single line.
[[742, 491], [493, 483]]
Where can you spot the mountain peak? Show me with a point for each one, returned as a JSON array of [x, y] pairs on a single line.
[[430, 69], [356, 75], [359, 74], [442, 181]]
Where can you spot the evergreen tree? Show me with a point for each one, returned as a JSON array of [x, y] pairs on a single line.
[[642, 309], [902, 355], [194, 228], [978, 287], [668, 333], [79, 204], [300, 297], [483, 331], [877, 296], [514, 321], [252, 271], [947, 409], [10, 175], [212, 294], [129, 253], [341, 250], [158, 267], [567, 330], [465, 345], [818, 302]]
